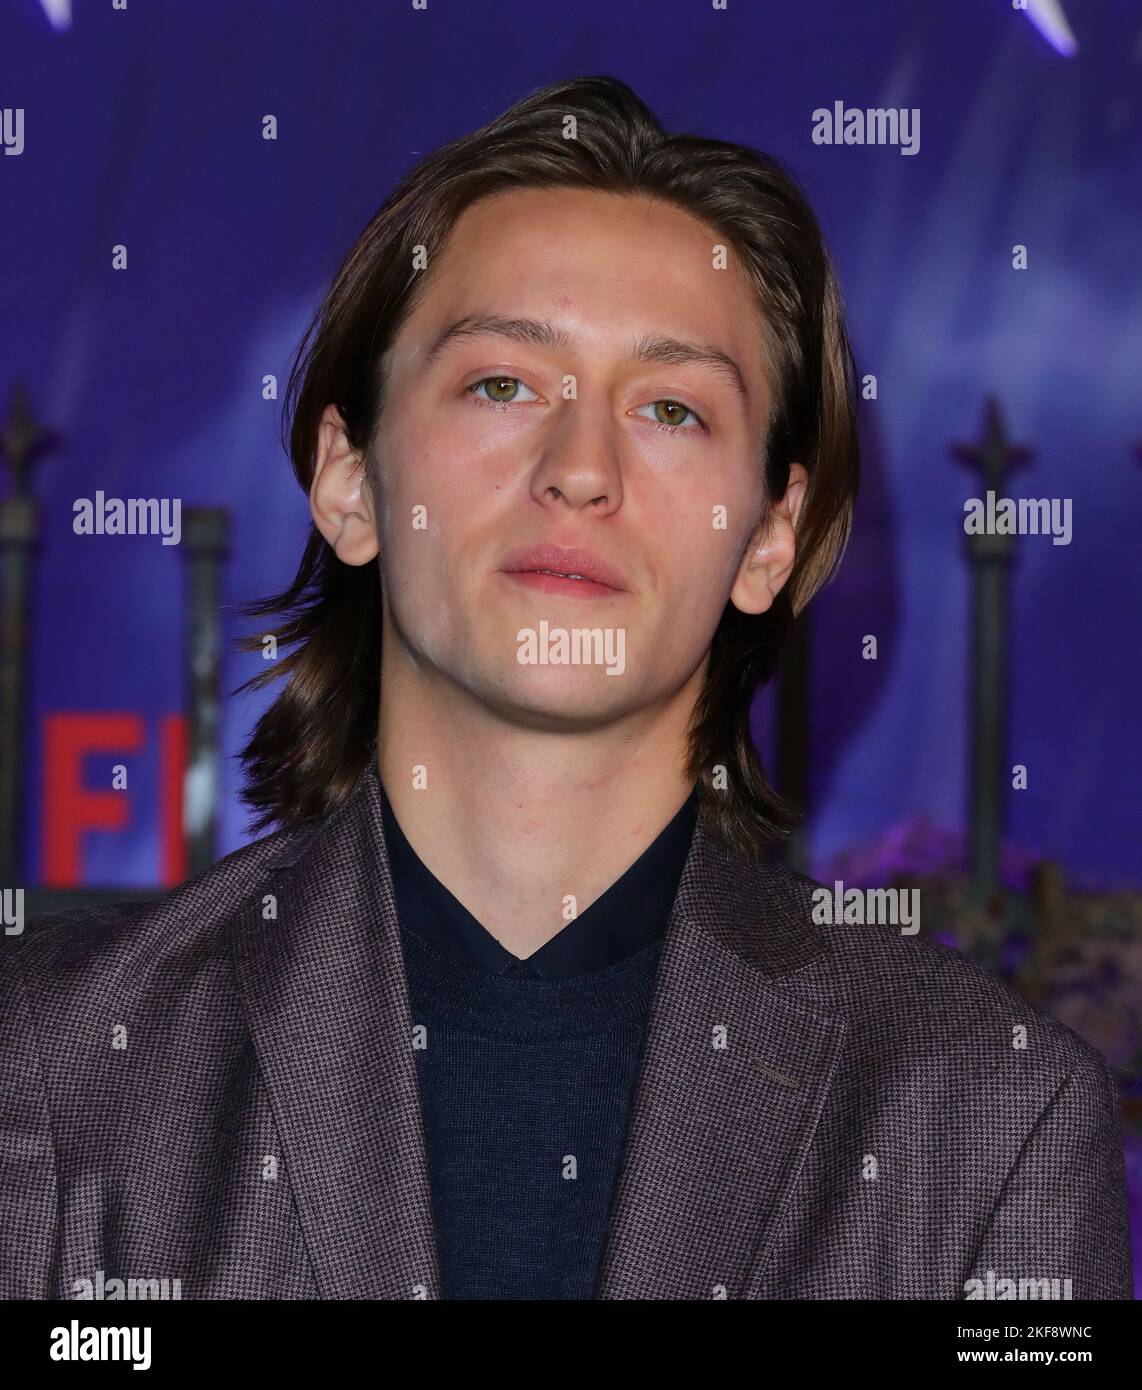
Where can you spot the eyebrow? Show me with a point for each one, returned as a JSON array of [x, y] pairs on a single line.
[[651, 347]]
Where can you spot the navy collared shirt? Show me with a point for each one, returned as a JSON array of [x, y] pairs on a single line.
[[629, 915]]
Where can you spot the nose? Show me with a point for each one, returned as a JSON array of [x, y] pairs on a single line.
[[579, 461]]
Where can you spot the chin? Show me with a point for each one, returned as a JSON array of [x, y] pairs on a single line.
[[561, 699]]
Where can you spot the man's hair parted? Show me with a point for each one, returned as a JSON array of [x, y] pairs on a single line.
[[311, 745]]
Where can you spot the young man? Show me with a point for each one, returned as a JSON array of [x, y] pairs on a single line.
[[516, 1001]]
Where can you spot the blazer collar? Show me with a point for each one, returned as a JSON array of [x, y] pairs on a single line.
[[735, 1073], [733, 1078]]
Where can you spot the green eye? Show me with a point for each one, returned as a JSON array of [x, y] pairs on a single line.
[[502, 390], [670, 414]]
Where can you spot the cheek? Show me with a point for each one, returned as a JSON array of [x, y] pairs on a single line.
[[697, 590], [708, 527], [417, 492], [427, 511], [441, 466], [710, 530]]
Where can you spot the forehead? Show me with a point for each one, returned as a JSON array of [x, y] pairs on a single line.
[[605, 264]]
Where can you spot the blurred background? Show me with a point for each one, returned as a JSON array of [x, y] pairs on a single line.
[[178, 184]]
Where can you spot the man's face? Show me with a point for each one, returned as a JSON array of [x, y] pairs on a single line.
[[566, 437]]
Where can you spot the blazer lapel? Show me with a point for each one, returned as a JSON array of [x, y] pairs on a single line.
[[733, 1079], [325, 994]]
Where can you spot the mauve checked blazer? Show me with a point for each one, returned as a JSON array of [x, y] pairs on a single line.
[[868, 1130]]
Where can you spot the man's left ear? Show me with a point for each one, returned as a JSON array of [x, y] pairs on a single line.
[[768, 561]]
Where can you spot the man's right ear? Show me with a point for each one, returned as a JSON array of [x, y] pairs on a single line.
[[340, 498]]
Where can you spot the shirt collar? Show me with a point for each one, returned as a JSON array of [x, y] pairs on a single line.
[[629, 916]]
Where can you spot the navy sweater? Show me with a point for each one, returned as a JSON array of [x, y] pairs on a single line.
[[527, 1070]]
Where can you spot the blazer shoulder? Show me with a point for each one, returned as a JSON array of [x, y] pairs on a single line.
[[886, 972], [95, 943]]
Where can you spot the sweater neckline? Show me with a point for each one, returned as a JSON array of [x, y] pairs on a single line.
[[503, 1005]]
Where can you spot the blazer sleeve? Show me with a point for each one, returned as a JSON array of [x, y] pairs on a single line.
[[28, 1194], [1062, 1211]]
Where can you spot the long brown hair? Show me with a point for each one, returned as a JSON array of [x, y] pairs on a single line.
[[309, 748]]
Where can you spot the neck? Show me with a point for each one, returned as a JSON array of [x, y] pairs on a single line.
[[515, 820]]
